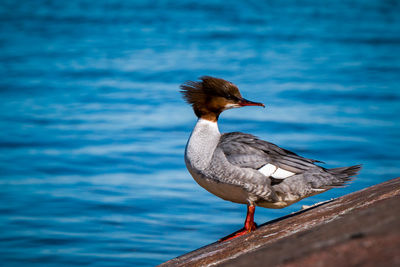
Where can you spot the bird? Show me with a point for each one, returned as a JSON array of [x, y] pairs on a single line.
[[242, 168]]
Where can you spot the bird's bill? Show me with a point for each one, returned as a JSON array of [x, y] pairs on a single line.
[[244, 102]]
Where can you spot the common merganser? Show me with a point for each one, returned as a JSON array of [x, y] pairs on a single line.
[[240, 167]]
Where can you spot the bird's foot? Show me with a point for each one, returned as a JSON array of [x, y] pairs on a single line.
[[238, 233]]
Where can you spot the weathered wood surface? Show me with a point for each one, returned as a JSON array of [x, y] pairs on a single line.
[[359, 229]]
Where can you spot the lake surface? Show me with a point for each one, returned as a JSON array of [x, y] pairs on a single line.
[[93, 128]]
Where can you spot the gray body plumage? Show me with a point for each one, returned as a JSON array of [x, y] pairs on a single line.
[[231, 167]]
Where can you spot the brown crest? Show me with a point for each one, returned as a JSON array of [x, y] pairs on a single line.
[[210, 96]]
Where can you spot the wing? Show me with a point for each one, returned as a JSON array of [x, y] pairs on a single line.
[[246, 150]]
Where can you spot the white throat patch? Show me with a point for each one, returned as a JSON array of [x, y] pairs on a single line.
[[229, 106]]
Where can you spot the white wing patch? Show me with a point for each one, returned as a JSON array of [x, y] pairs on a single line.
[[275, 172], [267, 169], [281, 174]]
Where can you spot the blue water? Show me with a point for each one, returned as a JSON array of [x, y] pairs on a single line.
[[93, 128]]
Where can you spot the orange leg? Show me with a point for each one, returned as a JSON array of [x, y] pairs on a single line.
[[249, 225]]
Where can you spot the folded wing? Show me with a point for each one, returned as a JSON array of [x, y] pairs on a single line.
[[247, 151]]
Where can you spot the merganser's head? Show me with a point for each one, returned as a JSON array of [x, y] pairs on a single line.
[[212, 95]]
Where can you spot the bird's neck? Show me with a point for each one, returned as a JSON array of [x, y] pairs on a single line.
[[203, 113], [210, 116], [202, 143]]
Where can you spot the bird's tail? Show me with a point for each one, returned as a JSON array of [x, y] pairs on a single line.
[[312, 182], [343, 175]]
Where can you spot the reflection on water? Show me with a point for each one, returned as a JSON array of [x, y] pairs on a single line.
[[93, 128]]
